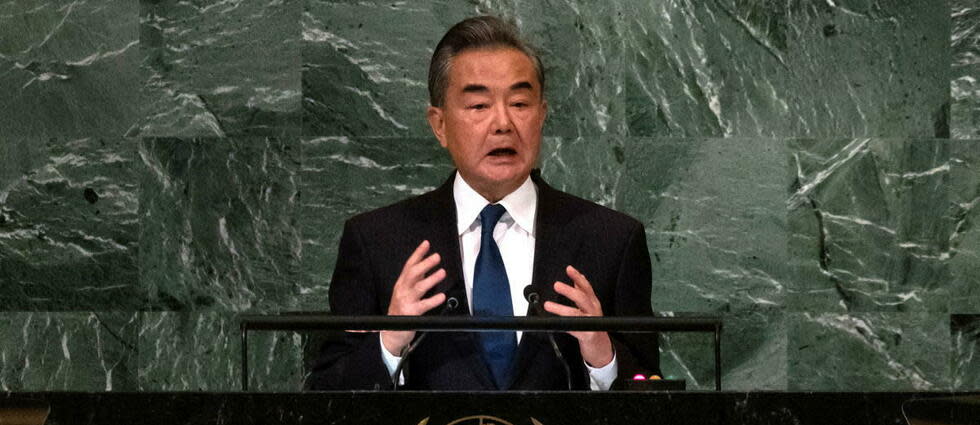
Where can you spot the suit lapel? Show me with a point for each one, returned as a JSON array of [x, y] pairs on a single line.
[[441, 232], [551, 251]]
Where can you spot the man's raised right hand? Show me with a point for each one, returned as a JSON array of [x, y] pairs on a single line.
[[406, 297]]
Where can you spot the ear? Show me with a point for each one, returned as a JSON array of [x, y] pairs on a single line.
[[438, 123]]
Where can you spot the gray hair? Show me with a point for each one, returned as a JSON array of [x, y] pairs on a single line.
[[474, 33]]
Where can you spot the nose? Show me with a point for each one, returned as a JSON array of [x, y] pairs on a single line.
[[502, 123]]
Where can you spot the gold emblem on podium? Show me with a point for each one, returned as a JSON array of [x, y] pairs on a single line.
[[479, 420]]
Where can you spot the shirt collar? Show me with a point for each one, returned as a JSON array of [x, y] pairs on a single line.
[[521, 204]]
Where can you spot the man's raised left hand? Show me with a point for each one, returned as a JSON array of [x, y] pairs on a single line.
[[596, 347]]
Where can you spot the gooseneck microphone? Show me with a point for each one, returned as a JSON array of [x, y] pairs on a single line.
[[450, 306], [532, 297]]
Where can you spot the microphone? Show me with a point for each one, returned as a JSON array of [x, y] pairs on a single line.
[[450, 306], [534, 299]]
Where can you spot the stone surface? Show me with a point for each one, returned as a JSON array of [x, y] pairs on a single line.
[[715, 219], [93, 351], [787, 69], [201, 351], [366, 63], [964, 213], [68, 224], [68, 68], [590, 167], [965, 85], [220, 68], [868, 351], [965, 339], [342, 177], [218, 224], [870, 226], [753, 353]]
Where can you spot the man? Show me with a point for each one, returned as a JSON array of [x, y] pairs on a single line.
[[492, 229]]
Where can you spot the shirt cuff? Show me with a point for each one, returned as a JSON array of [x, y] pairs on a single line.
[[391, 361], [601, 378]]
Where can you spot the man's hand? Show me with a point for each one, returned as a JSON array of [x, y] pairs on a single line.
[[596, 347], [406, 297]]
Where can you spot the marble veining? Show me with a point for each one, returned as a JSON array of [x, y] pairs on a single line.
[[68, 68], [965, 81], [868, 351], [786, 69], [965, 329], [201, 351], [69, 227], [220, 68], [91, 351], [712, 210], [219, 225], [869, 224]]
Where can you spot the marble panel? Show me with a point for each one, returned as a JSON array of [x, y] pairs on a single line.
[[965, 87], [964, 241], [220, 68], [201, 351], [714, 211], [218, 224], [68, 225], [965, 339], [787, 69], [753, 353], [591, 167], [870, 225], [84, 351], [868, 351], [366, 63], [69, 68], [342, 177]]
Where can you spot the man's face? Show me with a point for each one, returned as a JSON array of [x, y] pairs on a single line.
[[491, 118]]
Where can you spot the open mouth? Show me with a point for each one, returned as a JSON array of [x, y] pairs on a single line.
[[503, 152]]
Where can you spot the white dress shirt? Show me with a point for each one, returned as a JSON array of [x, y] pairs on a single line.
[[514, 234]]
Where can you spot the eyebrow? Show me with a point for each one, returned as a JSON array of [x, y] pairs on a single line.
[[475, 88], [480, 88], [523, 85]]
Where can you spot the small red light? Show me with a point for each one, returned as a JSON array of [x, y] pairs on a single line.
[[639, 377]]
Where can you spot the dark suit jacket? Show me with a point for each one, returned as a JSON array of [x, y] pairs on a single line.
[[608, 247]]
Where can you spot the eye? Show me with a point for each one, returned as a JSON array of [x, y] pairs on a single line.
[[519, 104], [478, 106]]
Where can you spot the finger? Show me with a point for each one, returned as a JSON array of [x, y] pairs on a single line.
[[579, 298], [561, 310], [417, 271], [434, 301], [579, 279], [426, 284], [416, 255]]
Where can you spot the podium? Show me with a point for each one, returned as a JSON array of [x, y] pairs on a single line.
[[316, 321], [502, 408]]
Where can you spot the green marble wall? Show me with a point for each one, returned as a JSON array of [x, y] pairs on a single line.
[[810, 171]]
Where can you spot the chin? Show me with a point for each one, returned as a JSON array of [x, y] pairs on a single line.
[[507, 175]]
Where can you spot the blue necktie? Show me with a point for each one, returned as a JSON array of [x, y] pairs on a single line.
[[491, 297]]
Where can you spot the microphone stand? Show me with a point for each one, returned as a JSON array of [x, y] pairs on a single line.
[[535, 300], [451, 305]]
